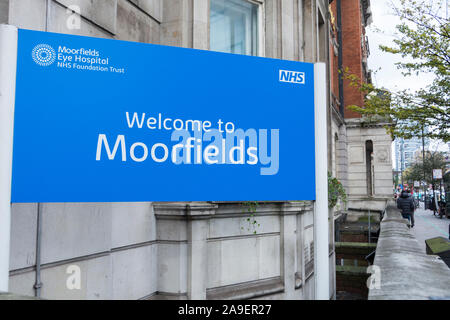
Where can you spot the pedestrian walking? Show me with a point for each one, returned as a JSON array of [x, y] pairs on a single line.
[[406, 203]]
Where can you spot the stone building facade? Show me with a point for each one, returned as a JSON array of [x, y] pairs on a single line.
[[198, 250], [362, 158]]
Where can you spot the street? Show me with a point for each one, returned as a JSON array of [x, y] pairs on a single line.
[[429, 226]]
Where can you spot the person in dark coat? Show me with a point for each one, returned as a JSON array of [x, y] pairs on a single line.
[[406, 203]]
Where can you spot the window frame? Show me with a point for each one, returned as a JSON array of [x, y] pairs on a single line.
[[260, 28]]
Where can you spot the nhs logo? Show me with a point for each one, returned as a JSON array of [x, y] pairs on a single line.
[[292, 76]]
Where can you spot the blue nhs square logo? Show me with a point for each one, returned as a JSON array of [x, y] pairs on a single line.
[[292, 76]]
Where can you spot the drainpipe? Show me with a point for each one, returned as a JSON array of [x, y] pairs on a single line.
[[38, 284], [47, 15], [341, 79]]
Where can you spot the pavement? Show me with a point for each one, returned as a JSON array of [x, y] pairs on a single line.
[[429, 226]]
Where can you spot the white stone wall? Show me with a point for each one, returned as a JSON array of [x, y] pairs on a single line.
[[114, 245], [141, 250], [357, 135], [165, 250], [225, 257]]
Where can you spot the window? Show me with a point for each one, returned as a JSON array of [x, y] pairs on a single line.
[[335, 155], [369, 168], [234, 26]]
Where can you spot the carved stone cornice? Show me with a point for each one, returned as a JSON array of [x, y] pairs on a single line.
[[362, 123], [186, 210]]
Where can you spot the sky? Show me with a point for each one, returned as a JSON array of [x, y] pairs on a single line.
[[383, 31]]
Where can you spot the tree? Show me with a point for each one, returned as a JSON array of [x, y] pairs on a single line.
[[424, 45], [433, 160]]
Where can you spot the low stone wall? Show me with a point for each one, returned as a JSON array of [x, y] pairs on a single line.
[[405, 272]]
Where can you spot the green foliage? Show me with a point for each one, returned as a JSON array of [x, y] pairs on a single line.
[[424, 44], [365, 219], [250, 208], [433, 160], [336, 192]]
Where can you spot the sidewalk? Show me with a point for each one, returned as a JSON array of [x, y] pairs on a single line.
[[429, 226]]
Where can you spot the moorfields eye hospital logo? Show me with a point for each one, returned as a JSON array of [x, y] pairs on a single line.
[[44, 55], [73, 58]]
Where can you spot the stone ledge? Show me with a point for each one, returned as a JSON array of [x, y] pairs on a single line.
[[189, 210], [158, 295], [12, 296], [354, 248], [359, 271], [208, 210], [248, 290]]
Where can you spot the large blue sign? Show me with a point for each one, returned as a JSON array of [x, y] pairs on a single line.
[[101, 120]]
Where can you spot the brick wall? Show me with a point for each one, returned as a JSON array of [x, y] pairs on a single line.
[[334, 57], [352, 29]]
